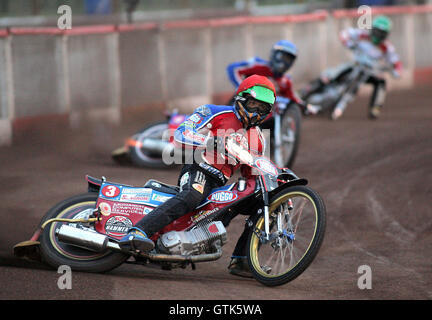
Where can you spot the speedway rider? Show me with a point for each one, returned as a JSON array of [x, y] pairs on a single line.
[[374, 43], [282, 56], [253, 102]]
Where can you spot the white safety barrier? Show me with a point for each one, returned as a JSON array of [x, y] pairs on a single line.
[[99, 72]]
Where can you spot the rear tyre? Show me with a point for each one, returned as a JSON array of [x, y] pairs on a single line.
[[140, 157], [290, 136], [56, 253]]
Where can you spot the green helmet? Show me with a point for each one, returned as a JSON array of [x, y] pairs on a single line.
[[381, 27]]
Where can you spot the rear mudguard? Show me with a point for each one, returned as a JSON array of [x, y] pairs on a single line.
[[30, 248], [94, 184]]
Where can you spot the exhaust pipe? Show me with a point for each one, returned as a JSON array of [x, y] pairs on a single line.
[[178, 258], [85, 239], [98, 242]]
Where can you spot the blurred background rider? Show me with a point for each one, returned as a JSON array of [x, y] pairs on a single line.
[[375, 43], [282, 57]]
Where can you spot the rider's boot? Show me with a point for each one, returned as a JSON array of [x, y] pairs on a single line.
[[374, 112], [239, 267], [312, 109], [136, 239], [342, 104], [338, 111]]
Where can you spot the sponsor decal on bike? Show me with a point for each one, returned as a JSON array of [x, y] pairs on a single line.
[[110, 191], [105, 208], [118, 225], [266, 166], [147, 210], [140, 197], [213, 228], [136, 190], [160, 198], [156, 185], [222, 196], [203, 214], [127, 208], [135, 195]]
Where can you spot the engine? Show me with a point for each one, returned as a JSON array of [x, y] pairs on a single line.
[[196, 241]]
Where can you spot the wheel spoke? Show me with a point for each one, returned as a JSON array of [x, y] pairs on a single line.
[[288, 138], [284, 253]]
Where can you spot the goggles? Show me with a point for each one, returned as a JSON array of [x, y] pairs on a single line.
[[255, 106]]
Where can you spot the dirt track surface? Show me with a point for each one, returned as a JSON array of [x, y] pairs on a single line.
[[374, 176]]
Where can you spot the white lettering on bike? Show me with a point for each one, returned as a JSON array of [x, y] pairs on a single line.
[[110, 191], [118, 225], [203, 214], [223, 196]]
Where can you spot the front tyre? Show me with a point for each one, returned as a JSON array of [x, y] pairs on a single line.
[[56, 253], [297, 227]]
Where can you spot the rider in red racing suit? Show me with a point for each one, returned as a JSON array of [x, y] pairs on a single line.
[[282, 56], [208, 169]]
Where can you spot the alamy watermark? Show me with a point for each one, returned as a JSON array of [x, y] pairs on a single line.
[[365, 19], [64, 282], [64, 22], [365, 280]]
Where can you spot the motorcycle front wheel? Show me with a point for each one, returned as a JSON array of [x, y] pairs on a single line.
[[297, 226]]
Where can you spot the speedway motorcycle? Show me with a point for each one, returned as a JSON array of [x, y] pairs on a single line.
[[286, 224], [343, 82], [145, 148]]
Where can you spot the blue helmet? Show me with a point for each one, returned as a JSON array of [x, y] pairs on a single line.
[[282, 57]]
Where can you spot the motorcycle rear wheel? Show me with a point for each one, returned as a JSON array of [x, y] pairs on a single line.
[[284, 257], [143, 159], [56, 253]]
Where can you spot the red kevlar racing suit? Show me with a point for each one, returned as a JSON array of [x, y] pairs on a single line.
[[208, 169]]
